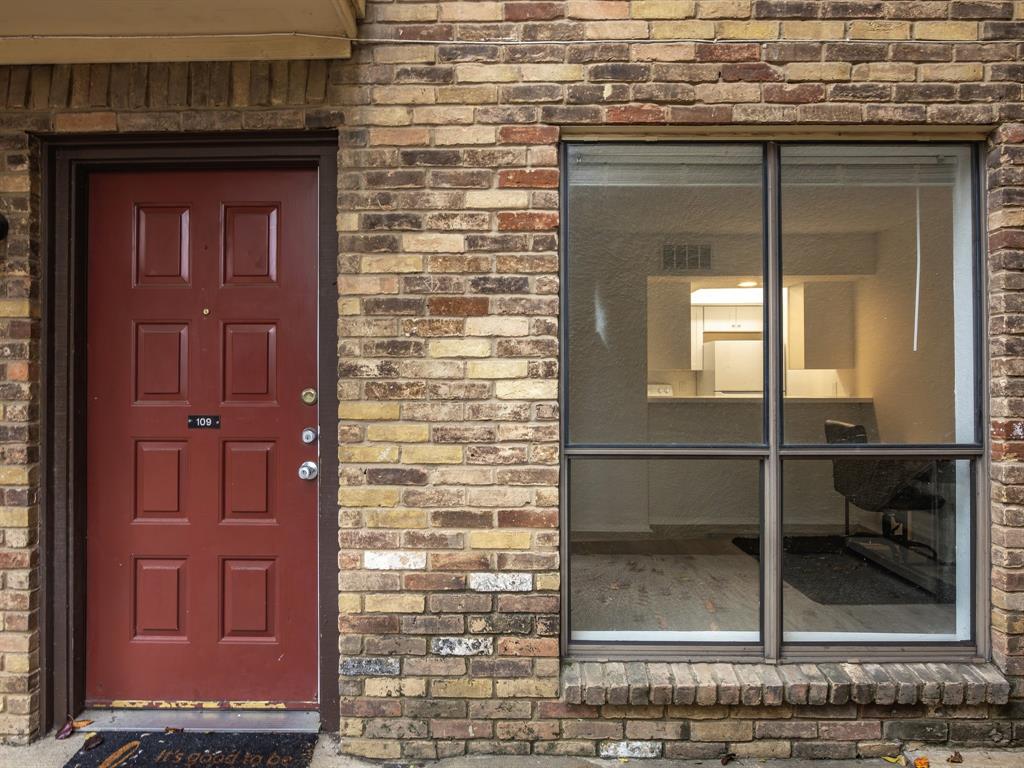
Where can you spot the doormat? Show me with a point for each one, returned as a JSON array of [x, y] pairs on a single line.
[[826, 571], [195, 749]]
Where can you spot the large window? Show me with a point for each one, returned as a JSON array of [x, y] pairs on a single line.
[[771, 394]]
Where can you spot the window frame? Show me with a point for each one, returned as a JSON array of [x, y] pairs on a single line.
[[772, 452]]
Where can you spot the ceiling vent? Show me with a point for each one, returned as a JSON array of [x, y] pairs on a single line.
[[686, 257]]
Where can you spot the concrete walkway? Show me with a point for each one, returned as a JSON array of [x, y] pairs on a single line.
[[50, 753]]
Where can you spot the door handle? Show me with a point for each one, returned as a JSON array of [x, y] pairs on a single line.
[[308, 470]]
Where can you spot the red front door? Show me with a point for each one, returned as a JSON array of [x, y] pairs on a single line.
[[201, 554]]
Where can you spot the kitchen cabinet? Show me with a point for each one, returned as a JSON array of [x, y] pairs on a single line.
[[821, 327], [741, 318]]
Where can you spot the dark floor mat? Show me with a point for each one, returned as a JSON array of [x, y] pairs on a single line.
[[824, 570], [193, 748]]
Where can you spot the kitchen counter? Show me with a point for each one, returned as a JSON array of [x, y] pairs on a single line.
[[752, 399]]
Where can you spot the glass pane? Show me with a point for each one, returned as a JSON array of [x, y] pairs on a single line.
[[876, 549], [665, 549], [878, 293], [665, 294]]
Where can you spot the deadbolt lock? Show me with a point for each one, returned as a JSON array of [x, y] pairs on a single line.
[[308, 396], [309, 435]]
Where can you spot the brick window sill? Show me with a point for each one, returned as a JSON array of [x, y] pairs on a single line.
[[643, 683]]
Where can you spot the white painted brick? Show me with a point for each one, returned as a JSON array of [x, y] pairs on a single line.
[[639, 750], [500, 582], [394, 561], [462, 646]]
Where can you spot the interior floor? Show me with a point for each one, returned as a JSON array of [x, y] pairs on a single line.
[[713, 584]]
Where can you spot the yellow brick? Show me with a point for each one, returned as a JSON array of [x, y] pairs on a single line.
[[15, 475], [497, 198], [349, 602], [526, 389], [813, 30], [351, 726], [405, 54], [548, 581], [886, 71], [17, 308], [404, 94], [496, 369], [459, 348], [393, 602], [432, 454], [362, 496], [663, 9], [432, 242], [551, 73], [396, 518], [946, 30], [349, 306], [398, 433], [355, 284], [17, 517], [486, 73], [747, 30], [615, 30], [406, 12], [952, 72], [723, 9], [466, 94], [368, 454], [879, 30], [382, 687], [477, 688], [391, 264], [464, 134], [372, 748], [1006, 217], [347, 222], [499, 539], [368, 411], [526, 688], [475, 11], [683, 30], [817, 71], [727, 93], [17, 662]]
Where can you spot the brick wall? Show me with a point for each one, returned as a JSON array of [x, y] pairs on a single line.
[[448, 222]]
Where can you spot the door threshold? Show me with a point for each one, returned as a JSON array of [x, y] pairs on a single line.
[[233, 721]]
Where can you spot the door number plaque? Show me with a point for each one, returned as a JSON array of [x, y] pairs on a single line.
[[204, 422]]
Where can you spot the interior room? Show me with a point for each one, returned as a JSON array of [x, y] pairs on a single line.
[[667, 347]]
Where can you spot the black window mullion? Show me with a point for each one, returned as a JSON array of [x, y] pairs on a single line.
[[771, 538]]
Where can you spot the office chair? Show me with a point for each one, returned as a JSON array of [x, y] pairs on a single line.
[[887, 486]]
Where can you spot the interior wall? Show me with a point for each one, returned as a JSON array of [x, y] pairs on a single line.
[[913, 391]]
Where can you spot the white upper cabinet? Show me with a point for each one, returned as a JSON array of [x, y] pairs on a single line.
[[747, 318]]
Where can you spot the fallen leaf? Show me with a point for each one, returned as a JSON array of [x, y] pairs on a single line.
[[66, 730], [78, 724], [898, 760], [956, 757], [728, 757], [921, 762], [168, 729], [92, 741]]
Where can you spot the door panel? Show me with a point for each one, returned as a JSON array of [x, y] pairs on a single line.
[[201, 301]]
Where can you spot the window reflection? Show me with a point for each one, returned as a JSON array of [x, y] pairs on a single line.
[[876, 549], [877, 306], [665, 549], [665, 294]]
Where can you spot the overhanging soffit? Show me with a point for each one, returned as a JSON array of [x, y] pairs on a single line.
[[86, 31]]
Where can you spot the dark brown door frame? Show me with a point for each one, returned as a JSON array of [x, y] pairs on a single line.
[[65, 163]]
